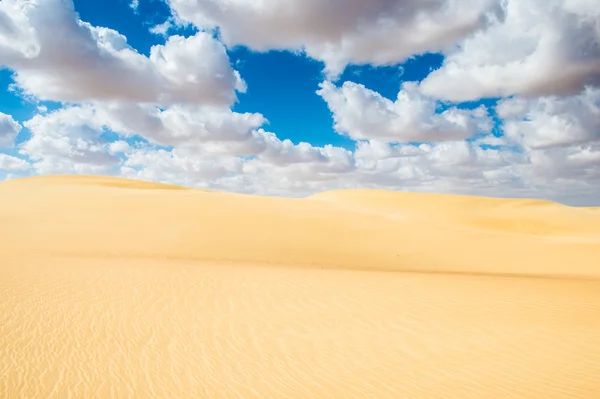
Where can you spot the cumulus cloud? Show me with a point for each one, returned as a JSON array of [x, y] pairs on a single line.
[[449, 166], [209, 130], [453, 166], [575, 162], [552, 121], [377, 150], [171, 110], [269, 173], [119, 147], [9, 128], [442, 167], [362, 114], [13, 164], [163, 29], [567, 174], [340, 32], [179, 168], [536, 48], [182, 125], [68, 141], [285, 153], [58, 57]]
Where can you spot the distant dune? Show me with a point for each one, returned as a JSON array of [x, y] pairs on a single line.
[[121, 288], [353, 229]]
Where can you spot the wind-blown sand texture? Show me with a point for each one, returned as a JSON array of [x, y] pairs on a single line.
[[127, 289]]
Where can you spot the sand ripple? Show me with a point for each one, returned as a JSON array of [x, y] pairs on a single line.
[[85, 329], [111, 288]]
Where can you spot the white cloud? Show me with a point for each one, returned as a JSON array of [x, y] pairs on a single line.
[[9, 128], [340, 32], [13, 164], [212, 131], [364, 114], [181, 125], [172, 22], [552, 121], [179, 168], [68, 141], [163, 28], [565, 173], [252, 160], [452, 167], [281, 167], [119, 147], [444, 167], [537, 48], [377, 150], [175, 105], [58, 57], [134, 4], [285, 153]]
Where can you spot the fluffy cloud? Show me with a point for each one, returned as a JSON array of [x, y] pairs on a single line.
[[211, 131], [552, 121], [171, 110], [380, 150], [58, 57], [579, 163], [178, 167], [567, 174], [445, 167], [287, 154], [13, 164], [68, 141], [449, 166], [536, 48], [340, 32], [182, 141], [183, 125], [9, 129], [570, 174], [364, 114], [71, 141], [281, 169], [119, 147]]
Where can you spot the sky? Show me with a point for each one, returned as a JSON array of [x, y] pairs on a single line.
[[288, 98]]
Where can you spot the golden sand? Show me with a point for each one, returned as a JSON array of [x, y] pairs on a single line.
[[127, 289]]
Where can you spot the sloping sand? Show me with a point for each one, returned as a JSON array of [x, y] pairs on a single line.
[[127, 289]]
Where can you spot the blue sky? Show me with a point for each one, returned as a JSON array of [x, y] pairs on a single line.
[[281, 85], [386, 103]]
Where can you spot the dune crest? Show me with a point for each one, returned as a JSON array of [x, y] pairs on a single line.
[[94, 181], [354, 229], [114, 288]]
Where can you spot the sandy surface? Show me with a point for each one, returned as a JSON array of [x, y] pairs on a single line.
[[116, 288]]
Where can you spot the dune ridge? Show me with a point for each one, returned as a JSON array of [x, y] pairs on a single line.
[[355, 229], [115, 288]]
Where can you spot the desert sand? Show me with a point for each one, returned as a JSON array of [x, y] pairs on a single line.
[[113, 288]]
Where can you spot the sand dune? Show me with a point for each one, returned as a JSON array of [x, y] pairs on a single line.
[[120, 288]]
